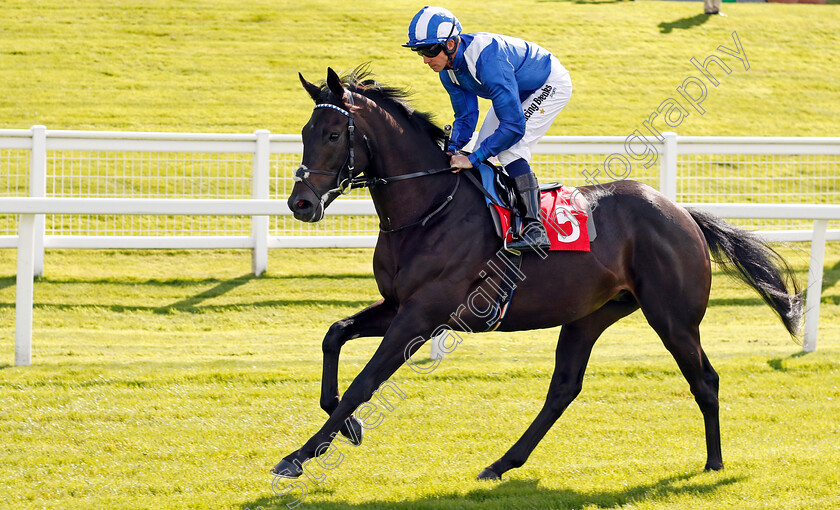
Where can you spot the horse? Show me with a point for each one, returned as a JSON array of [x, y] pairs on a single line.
[[436, 235]]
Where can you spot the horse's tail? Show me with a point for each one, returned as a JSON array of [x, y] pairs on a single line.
[[747, 257]]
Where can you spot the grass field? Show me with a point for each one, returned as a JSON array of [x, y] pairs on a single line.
[[173, 379], [229, 66]]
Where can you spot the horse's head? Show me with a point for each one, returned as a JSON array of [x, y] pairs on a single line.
[[334, 149], [362, 126]]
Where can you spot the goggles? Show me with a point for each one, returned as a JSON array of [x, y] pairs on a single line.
[[429, 51]]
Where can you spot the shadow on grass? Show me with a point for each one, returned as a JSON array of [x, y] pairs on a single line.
[[8, 281], [195, 308], [190, 304], [779, 363], [170, 282], [740, 301], [194, 304], [274, 303], [590, 2], [525, 494], [831, 276], [666, 27]]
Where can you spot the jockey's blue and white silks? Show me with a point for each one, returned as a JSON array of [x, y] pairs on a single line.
[[432, 25], [524, 82]]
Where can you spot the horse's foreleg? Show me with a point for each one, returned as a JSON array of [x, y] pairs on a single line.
[[372, 321], [572, 354], [390, 355]]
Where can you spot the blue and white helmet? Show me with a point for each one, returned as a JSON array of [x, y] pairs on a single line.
[[432, 25]]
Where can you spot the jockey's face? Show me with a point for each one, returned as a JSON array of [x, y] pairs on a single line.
[[439, 62]]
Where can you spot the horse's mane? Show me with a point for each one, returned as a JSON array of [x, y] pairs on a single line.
[[393, 99]]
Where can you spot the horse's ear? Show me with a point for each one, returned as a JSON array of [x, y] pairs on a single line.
[[334, 83], [313, 90]]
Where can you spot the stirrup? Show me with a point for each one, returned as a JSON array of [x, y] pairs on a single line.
[[532, 238], [507, 246]]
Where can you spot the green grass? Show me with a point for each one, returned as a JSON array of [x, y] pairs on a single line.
[[228, 66], [172, 379]]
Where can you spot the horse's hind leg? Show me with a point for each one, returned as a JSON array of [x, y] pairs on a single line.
[[672, 283], [715, 456], [572, 354], [682, 339]]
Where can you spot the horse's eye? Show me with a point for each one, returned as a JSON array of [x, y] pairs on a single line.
[[333, 136]]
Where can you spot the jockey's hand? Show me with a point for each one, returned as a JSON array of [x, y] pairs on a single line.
[[460, 161]]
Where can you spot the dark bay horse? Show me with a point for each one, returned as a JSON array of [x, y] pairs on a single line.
[[436, 237]]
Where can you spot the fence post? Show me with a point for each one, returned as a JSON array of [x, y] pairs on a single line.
[[259, 190], [436, 346], [38, 188], [24, 289], [668, 166], [814, 291]]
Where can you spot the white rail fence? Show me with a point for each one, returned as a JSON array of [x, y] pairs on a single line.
[[78, 189]]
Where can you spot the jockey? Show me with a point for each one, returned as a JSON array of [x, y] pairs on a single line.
[[527, 85]]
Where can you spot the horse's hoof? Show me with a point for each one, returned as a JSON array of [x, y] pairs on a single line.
[[352, 430], [714, 467], [488, 474], [285, 469]]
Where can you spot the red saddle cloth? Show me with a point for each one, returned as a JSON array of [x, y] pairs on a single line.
[[565, 222]]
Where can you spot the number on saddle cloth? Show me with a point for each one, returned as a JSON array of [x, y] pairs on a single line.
[[501, 198]]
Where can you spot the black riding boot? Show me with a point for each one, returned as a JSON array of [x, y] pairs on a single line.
[[533, 235]]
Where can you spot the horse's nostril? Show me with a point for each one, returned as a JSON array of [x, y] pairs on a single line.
[[301, 204]]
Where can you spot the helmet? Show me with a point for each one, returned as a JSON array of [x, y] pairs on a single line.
[[432, 25]]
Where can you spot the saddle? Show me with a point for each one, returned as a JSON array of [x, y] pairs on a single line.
[[565, 211]]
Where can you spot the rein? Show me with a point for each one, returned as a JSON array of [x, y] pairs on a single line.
[[348, 183], [425, 219]]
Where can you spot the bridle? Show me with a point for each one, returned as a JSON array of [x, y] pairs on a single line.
[[344, 179], [343, 183]]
